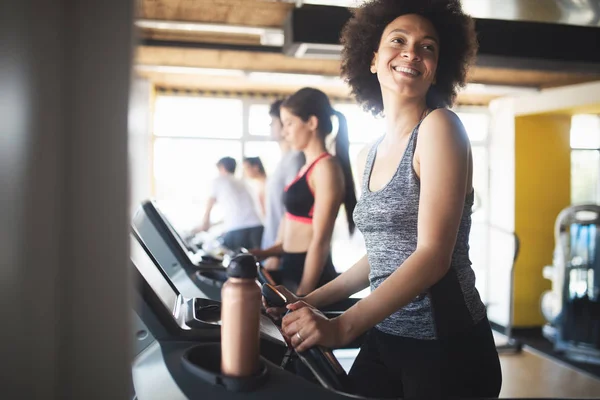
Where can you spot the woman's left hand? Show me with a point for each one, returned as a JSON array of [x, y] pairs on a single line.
[[307, 327]]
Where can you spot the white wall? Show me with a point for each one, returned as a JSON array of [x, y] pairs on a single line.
[[502, 209]]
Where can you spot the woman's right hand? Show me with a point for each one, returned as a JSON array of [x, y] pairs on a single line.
[[258, 254], [277, 312]]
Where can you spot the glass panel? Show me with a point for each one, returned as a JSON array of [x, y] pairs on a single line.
[[362, 126], [198, 117], [259, 120], [585, 132], [476, 125], [585, 166], [183, 173], [268, 151], [480, 183]]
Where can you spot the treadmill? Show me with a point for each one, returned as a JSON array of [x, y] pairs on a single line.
[[192, 271], [183, 360]]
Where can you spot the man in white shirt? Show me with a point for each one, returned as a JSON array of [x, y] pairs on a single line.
[[242, 225], [285, 172]]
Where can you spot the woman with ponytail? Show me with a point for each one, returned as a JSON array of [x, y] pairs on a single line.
[[313, 199]]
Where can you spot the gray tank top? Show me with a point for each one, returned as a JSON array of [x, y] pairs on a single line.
[[387, 219]]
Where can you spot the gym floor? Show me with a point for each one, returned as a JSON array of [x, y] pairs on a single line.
[[529, 373]]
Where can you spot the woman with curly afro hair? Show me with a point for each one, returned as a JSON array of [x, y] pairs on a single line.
[[427, 334]]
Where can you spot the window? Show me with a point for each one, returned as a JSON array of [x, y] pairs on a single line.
[[476, 123], [259, 120], [183, 172], [268, 151], [363, 129], [585, 159], [190, 135], [198, 117], [585, 168], [585, 132], [362, 126]]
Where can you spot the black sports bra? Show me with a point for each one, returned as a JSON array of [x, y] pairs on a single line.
[[298, 198]]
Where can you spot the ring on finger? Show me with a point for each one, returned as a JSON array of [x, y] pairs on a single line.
[[299, 337]]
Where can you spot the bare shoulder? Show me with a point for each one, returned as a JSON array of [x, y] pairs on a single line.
[[443, 125], [327, 172], [329, 166]]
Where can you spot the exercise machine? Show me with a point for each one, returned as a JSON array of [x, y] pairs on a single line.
[[572, 307], [183, 361]]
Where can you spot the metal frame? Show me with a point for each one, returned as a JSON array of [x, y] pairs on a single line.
[[512, 345]]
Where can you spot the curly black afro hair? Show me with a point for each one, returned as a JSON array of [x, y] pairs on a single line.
[[362, 34]]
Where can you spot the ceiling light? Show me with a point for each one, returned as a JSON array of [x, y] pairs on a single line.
[[294, 79], [280, 78], [338, 3], [172, 69], [268, 36]]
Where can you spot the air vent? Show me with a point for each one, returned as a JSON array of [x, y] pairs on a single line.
[[314, 32], [316, 50]]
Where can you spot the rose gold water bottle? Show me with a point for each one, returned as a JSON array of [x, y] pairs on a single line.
[[240, 316]]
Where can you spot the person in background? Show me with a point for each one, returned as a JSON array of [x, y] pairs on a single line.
[[284, 173], [255, 172], [242, 225], [313, 199]]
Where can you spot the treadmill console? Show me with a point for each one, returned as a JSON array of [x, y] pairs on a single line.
[[192, 336]]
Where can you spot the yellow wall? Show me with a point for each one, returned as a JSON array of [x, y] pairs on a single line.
[[542, 190]]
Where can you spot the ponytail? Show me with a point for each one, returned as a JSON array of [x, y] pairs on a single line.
[[308, 102], [342, 145]]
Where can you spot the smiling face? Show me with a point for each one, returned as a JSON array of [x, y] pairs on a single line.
[[407, 57]]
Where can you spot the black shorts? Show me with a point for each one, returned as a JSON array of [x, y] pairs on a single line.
[[463, 366], [292, 267]]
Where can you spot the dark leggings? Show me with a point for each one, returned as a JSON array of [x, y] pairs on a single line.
[[463, 366], [248, 238], [292, 267]]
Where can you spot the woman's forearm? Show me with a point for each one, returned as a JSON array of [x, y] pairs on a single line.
[[274, 251], [316, 257], [353, 280], [417, 274]]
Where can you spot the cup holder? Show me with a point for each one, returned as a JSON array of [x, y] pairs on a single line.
[[203, 313], [215, 277], [204, 362], [207, 311]]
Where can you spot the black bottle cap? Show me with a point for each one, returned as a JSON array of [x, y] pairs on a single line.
[[243, 266]]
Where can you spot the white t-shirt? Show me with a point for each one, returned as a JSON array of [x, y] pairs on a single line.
[[234, 199]]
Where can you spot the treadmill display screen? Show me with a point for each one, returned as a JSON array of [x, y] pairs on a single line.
[[153, 276], [175, 234]]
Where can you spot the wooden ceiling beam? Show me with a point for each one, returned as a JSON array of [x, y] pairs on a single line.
[[264, 13], [274, 62]]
